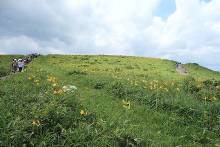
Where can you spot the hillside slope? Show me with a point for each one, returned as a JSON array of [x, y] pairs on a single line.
[[109, 101]]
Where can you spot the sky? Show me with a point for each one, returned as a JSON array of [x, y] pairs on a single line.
[[180, 30]]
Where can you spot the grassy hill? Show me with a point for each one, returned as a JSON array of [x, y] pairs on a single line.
[[109, 101]]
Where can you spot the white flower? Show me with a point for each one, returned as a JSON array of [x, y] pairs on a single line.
[[69, 88]]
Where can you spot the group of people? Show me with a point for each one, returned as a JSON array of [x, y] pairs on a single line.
[[19, 64], [178, 64]]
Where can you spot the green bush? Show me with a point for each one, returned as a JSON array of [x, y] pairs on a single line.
[[77, 72], [99, 85], [117, 88], [190, 85], [3, 72]]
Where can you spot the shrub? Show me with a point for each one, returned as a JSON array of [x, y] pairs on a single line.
[[118, 89], [3, 72], [2, 93], [117, 69], [85, 58], [77, 72], [190, 86], [99, 85], [129, 67]]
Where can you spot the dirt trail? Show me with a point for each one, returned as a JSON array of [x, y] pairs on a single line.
[[181, 69]]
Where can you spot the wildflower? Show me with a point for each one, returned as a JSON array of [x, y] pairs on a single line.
[[155, 81], [83, 113], [51, 79], [37, 84], [54, 85], [126, 104], [69, 88], [36, 123], [199, 85], [29, 78], [177, 89], [214, 98], [166, 89], [58, 91], [36, 81], [55, 92]]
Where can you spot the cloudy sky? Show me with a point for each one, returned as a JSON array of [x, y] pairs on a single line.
[[182, 30]]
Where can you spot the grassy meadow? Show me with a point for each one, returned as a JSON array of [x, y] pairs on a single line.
[[110, 101]]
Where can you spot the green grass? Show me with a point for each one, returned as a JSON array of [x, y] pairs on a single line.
[[167, 109]]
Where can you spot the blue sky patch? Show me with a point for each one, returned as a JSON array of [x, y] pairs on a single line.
[[165, 8]]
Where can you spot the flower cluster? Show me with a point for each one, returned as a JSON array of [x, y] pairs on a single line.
[[52, 79], [35, 81], [57, 90], [209, 98], [36, 123], [83, 113]]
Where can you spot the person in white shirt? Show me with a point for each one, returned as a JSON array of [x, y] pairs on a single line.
[[20, 65]]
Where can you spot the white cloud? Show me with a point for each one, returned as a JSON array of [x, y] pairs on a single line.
[[190, 34]]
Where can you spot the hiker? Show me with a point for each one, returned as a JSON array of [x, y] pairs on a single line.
[[28, 59], [14, 65], [177, 65], [20, 65]]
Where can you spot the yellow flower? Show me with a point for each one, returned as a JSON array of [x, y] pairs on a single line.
[[58, 91], [83, 113], [49, 79], [166, 89], [54, 85], [177, 89], [36, 81], [36, 123], [126, 104], [214, 98], [29, 78], [199, 85]]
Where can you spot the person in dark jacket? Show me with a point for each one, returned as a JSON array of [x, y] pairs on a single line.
[[14, 65]]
